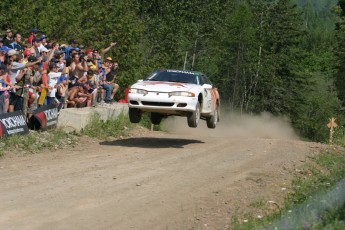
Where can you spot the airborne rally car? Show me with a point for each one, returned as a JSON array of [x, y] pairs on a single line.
[[175, 92]]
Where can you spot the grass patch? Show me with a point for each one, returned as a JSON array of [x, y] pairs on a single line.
[[119, 126], [317, 200], [36, 141], [57, 138]]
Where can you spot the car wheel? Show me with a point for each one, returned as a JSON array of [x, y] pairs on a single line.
[[156, 118], [194, 117], [134, 115], [212, 120]]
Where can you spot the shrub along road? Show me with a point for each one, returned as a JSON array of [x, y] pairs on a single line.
[[150, 180]]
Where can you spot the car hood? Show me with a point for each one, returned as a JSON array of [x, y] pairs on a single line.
[[163, 86]]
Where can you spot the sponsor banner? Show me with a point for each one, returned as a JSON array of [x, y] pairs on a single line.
[[13, 123], [45, 117]]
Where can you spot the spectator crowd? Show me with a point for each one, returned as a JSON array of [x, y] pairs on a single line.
[[45, 72]]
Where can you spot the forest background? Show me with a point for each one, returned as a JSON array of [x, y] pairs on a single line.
[[285, 57]]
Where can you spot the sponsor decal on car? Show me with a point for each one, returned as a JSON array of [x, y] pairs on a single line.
[[180, 71], [164, 83]]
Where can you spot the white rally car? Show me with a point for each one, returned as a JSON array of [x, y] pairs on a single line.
[[175, 92]]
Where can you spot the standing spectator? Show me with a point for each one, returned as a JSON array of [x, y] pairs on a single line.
[[16, 74], [33, 35], [26, 52], [43, 42], [104, 51], [81, 49], [4, 101], [78, 66], [35, 47], [69, 47], [61, 90], [8, 39], [3, 52], [53, 77], [60, 57], [1, 41], [16, 44]]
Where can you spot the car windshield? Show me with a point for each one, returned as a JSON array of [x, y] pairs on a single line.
[[174, 76]]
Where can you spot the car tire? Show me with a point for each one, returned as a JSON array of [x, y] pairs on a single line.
[[134, 115], [213, 120], [194, 117], [156, 118]]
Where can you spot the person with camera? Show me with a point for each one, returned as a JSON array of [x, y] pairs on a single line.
[[79, 65], [18, 79]]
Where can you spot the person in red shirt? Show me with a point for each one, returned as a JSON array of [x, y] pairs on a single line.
[[33, 35]]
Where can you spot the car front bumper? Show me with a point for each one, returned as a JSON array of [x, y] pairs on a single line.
[[162, 103]]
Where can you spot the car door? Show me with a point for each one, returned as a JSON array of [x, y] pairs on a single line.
[[207, 94]]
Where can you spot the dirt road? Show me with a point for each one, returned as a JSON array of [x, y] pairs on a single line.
[[185, 179]]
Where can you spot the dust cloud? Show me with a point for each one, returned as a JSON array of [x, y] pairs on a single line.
[[236, 126]]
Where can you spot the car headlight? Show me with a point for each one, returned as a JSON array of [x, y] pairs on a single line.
[[138, 91], [182, 94]]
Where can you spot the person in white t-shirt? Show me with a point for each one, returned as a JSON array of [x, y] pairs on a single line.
[[16, 74], [53, 77]]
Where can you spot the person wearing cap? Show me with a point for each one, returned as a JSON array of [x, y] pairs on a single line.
[[69, 47], [53, 77], [38, 78], [17, 79], [43, 42], [61, 89], [33, 35], [59, 59], [110, 80], [3, 52], [44, 53], [81, 49], [17, 65], [16, 43], [32, 71], [27, 53], [90, 57], [8, 39], [35, 47], [104, 72]]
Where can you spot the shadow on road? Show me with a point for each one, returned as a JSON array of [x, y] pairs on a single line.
[[149, 142]]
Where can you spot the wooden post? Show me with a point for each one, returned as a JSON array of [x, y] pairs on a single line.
[[331, 125]]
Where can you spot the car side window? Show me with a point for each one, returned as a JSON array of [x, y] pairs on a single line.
[[206, 80], [203, 80]]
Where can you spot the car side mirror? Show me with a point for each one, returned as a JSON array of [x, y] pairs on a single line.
[[141, 80], [207, 86]]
